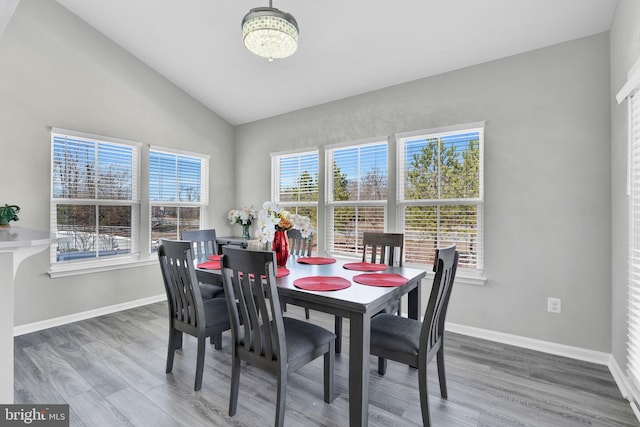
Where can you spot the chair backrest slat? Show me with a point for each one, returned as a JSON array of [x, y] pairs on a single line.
[[249, 281], [383, 248], [445, 271]]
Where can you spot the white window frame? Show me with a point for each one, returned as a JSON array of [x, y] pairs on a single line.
[[330, 204], [465, 275], [204, 190], [66, 268], [633, 287]]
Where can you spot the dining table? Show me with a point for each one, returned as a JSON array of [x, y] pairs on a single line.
[[357, 302]]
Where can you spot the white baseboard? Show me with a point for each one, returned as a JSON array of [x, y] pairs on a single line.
[[578, 353], [620, 378], [62, 320]]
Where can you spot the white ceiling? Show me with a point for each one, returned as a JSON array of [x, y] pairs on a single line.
[[347, 47]]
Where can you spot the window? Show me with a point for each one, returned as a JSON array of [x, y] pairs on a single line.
[[295, 184], [356, 195], [440, 194], [633, 334], [178, 193], [94, 196]]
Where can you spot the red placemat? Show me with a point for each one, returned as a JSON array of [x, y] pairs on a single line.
[[365, 266], [214, 257], [322, 283], [380, 279], [210, 265], [282, 271], [317, 260]]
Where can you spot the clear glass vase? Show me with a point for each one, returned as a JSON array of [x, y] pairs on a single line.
[[245, 232]]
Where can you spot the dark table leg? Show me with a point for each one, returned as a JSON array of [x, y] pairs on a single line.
[[359, 344], [415, 296]]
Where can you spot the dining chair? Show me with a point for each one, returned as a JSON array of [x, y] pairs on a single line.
[[378, 248], [413, 342], [299, 246], [204, 244], [188, 313], [266, 339], [383, 248]]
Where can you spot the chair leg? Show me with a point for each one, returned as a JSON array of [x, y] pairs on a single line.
[[235, 385], [171, 349], [216, 340], [424, 395], [306, 313], [178, 340], [200, 362], [441, 372], [282, 397], [338, 331], [382, 365], [329, 359]]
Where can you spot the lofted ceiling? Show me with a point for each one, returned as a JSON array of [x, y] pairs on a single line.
[[346, 47]]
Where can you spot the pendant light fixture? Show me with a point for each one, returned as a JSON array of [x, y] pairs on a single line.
[[269, 32]]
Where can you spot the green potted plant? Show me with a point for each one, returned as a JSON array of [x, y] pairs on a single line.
[[8, 213]]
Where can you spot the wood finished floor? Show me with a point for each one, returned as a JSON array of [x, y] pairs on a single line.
[[111, 371]]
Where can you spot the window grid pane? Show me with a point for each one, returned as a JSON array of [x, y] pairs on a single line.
[[429, 227], [360, 173], [298, 178], [347, 225], [86, 169], [174, 177], [442, 167], [169, 222]]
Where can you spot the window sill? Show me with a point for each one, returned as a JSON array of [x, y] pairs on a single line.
[[89, 267]]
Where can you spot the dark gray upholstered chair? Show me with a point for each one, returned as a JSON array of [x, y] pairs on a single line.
[[383, 248], [266, 339], [413, 342], [299, 246], [204, 244], [188, 313], [377, 248]]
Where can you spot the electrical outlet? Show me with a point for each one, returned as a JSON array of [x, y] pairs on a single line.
[[554, 305]]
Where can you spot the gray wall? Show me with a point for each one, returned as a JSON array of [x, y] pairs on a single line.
[[625, 50], [549, 168], [55, 70], [547, 179]]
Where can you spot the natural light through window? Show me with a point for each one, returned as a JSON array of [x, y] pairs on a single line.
[[440, 194], [178, 189], [357, 195], [94, 197]]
